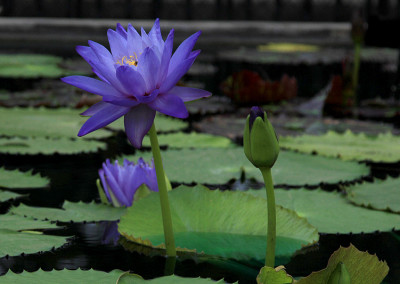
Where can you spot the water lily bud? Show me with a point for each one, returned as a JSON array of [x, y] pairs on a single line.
[[259, 139], [340, 275]]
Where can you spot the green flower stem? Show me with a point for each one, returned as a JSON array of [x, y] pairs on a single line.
[[271, 232], [162, 188]]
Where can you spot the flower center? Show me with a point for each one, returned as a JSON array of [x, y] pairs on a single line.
[[131, 60]]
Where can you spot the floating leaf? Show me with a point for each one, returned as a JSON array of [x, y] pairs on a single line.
[[192, 140], [163, 124], [16, 236], [218, 166], [269, 275], [380, 195], [7, 195], [362, 267], [16, 179], [71, 211], [172, 279], [288, 47], [347, 146], [42, 122], [332, 213], [31, 66], [41, 145], [62, 276], [223, 223]]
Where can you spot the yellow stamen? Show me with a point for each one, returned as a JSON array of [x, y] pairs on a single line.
[[132, 60]]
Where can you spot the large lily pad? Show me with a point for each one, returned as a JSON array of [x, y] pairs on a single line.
[[31, 66], [71, 211], [223, 223], [380, 195], [41, 145], [62, 276], [42, 122], [92, 276], [17, 235], [218, 166], [192, 140], [361, 266], [16, 179], [163, 124], [347, 146], [330, 212]]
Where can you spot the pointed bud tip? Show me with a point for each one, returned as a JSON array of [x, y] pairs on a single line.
[[256, 111]]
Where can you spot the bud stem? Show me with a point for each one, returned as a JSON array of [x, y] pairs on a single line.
[[271, 232], [162, 188]]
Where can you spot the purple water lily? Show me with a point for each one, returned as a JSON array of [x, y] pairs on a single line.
[[137, 79], [120, 183]]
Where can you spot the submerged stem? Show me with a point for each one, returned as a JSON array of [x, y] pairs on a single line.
[[162, 188], [271, 232]]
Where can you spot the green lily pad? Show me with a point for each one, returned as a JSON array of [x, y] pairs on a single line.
[[222, 223], [361, 266], [269, 275], [41, 145], [330, 212], [172, 279], [31, 66], [7, 195], [218, 166], [18, 235], [71, 211], [380, 195], [347, 146], [192, 140], [163, 124], [42, 122], [16, 179], [62, 276]]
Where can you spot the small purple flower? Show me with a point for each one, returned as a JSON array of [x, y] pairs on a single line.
[[137, 79], [120, 183]]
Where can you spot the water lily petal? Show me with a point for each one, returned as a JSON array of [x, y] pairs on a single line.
[[174, 77], [189, 94], [124, 102], [165, 58], [120, 29], [155, 36], [94, 109], [93, 86], [148, 67], [134, 42], [146, 41], [117, 45], [110, 75], [183, 51], [86, 52], [170, 105], [102, 118], [115, 187], [138, 122], [104, 184], [104, 56], [132, 80]]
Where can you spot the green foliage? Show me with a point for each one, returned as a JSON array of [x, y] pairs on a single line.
[[42, 122], [62, 276], [16, 179], [41, 145], [347, 146], [18, 235], [172, 279], [330, 212], [218, 166], [269, 275], [380, 194], [71, 211], [223, 223], [361, 266], [191, 140]]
